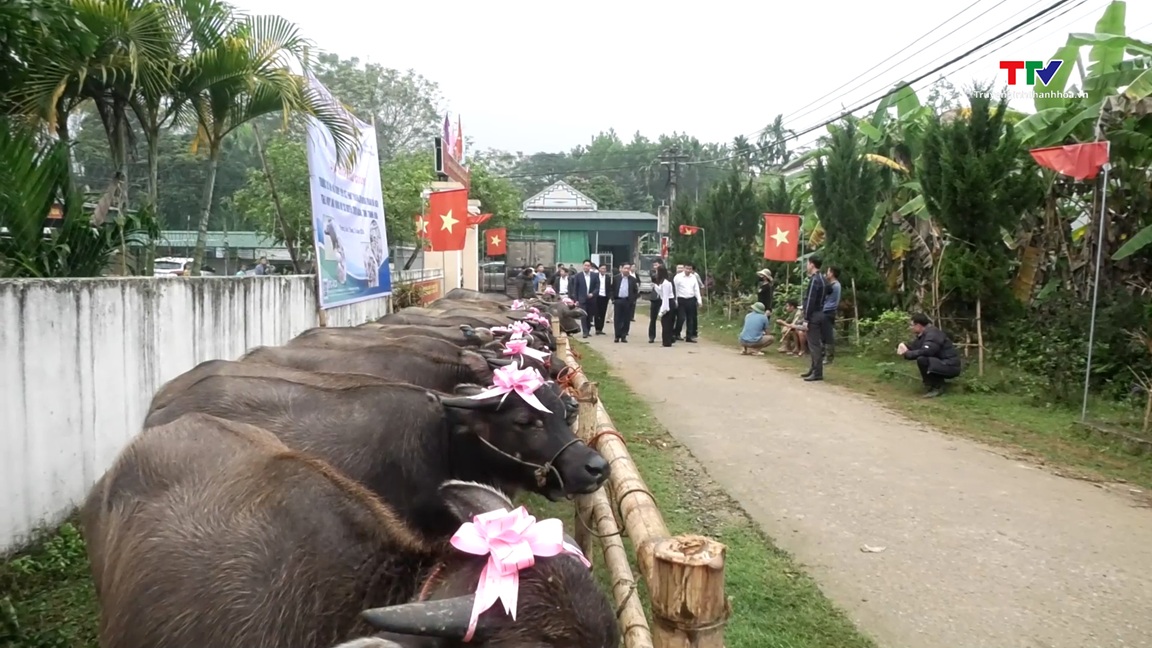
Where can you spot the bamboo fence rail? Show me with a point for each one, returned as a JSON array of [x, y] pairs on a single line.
[[684, 575]]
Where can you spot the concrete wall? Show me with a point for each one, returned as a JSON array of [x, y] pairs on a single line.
[[81, 358]]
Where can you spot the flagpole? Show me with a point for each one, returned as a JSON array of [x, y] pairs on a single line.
[[1095, 286], [704, 235]]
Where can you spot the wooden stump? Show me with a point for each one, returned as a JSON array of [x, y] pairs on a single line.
[[689, 606]]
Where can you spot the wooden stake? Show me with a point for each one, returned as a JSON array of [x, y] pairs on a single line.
[[688, 601], [979, 340], [696, 609], [587, 397], [856, 311]]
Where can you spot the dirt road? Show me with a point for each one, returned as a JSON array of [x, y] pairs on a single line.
[[978, 550]]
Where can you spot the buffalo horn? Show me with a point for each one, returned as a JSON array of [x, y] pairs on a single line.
[[500, 362], [444, 618], [466, 402]]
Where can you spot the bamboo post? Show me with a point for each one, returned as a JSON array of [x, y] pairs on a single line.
[[979, 340], [856, 311], [683, 574], [595, 511], [587, 397]]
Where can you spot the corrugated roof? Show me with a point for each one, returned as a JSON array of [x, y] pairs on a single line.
[[187, 238], [601, 214]]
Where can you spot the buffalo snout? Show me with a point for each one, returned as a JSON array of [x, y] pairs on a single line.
[[582, 469]]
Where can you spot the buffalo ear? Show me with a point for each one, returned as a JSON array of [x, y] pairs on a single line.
[[466, 500], [478, 364]]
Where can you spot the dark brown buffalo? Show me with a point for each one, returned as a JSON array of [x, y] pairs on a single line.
[[214, 534], [185, 381], [463, 335], [401, 440], [439, 319], [427, 362]]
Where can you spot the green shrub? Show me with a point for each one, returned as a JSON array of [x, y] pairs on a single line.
[[879, 336]]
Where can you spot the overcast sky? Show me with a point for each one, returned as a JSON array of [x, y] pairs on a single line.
[[535, 76]]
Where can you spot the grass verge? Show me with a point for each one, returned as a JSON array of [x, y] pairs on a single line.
[[985, 410], [47, 601], [774, 603], [46, 595]]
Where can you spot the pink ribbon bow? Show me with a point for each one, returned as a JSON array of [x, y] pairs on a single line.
[[549, 291], [534, 310], [569, 303], [518, 305], [537, 318], [512, 540], [524, 382], [519, 346], [517, 329]]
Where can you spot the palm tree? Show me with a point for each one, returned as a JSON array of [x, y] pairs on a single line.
[[109, 51], [240, 72]]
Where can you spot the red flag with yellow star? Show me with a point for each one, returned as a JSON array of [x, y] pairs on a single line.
[[781, 237], [497, 240], [422, 231], [448, 220]]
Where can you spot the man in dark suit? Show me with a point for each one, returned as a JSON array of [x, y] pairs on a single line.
[[623, 290], [587, 287], [563, 283]]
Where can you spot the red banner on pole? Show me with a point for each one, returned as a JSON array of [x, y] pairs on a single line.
[[496, 241], [1080, 161], [448, 220]]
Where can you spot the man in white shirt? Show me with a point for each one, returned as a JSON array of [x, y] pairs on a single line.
[[602, 300], [688, 301]]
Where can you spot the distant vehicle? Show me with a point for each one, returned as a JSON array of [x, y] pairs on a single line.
[[644, 270], [176, 267], [493, 276], [529, 254]]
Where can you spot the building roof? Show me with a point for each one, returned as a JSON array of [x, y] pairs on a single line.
[[187, 238], [560, 196], [605, 214]]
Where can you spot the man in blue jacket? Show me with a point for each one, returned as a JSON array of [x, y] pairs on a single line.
[[831, 305]]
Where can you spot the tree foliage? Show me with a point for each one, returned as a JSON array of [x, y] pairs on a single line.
[[977, 184], [845, 190], [402, 105]]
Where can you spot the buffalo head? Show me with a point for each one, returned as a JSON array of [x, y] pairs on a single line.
[[477, 336], [559, 603], [526, 446]]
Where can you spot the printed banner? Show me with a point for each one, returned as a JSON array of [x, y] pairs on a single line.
[[347, 216]]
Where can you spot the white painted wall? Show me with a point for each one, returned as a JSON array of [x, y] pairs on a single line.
[[81, 358]]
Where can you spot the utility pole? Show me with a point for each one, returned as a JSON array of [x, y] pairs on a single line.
[[671, 158]]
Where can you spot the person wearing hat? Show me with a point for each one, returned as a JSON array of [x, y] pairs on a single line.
[[755, 335], [766, 292]]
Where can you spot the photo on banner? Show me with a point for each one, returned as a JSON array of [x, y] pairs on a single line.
[[347, 215]]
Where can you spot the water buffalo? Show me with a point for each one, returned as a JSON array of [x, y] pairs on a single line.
[[401, 440], [441, 319], [332, 337], [427, 362], [464, 335], [213, 533]]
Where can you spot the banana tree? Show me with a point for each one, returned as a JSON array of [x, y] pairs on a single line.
[[240, 73], [37, 179]]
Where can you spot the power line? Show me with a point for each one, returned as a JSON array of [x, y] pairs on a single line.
[[801, 112], [1055, 17], [1024, 23]]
